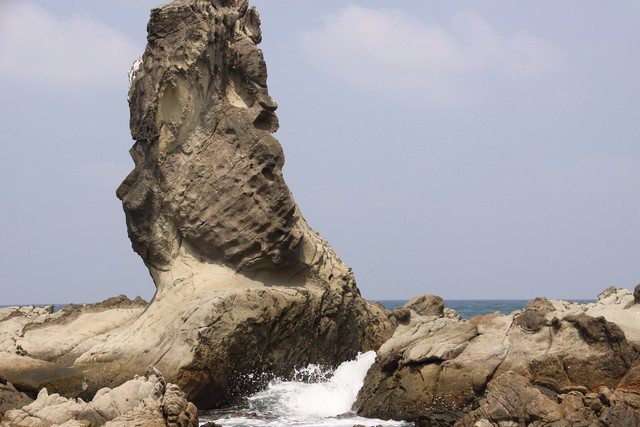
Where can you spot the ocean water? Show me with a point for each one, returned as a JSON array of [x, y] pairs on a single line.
[[468, 307]]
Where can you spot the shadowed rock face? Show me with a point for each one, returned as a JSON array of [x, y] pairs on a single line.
[[243, 285], [208, 172]]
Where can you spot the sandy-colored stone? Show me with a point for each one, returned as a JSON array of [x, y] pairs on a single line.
[[143, 401], [38, 347], [29, 374], [436, 367]]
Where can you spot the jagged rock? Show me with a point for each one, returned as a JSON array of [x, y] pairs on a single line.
[[511, 399], [243, 284], [10, 398], [435, 369], [401, 314], [145, 401], [48, 410], [617, 305]]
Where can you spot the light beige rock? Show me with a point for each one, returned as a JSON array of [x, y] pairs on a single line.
[[38, 346], [48, 410], [29, 374], [147, 401]]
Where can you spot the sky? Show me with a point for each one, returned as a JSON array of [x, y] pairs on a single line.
[[469, 149]]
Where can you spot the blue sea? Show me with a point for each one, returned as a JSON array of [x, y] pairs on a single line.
[[467, 308]]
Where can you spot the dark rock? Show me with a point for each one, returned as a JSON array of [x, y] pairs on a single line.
[[11, 398], [402, 314]]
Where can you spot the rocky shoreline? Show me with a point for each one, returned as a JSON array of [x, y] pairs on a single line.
[[553, 363], [244, 286], [148, 401]]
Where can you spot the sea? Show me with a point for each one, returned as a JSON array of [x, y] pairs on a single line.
[[318, 396]]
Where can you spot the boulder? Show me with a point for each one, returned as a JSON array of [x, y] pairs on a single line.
[[435, 368], [148, 401], [243, 285]]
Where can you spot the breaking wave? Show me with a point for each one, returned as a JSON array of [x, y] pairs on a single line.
[[315, 397]]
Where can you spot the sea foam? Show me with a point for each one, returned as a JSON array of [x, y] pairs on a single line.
[[315, 397]]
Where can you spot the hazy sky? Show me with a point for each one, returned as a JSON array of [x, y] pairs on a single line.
[[480, 149]]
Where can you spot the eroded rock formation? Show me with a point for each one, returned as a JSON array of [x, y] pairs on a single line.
[[243, 284], [437, 367], [147, 401], [209, 212]]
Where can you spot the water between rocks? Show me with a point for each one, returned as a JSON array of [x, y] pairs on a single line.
[[315, 397]]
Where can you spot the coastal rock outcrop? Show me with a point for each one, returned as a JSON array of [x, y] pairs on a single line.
[[245, 288], [436, 368], [147, 401]]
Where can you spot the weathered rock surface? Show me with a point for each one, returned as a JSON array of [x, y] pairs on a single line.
[[38, 346], [435, 368], [512, 400], [10, 398], [147, 401], [244, 285]]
